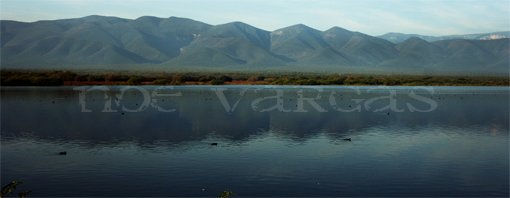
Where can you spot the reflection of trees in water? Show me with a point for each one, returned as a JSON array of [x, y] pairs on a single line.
[[199, 115]]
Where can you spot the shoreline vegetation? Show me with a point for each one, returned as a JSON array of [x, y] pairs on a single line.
[[69, 78]]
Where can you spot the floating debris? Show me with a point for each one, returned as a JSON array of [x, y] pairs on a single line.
[[226, 194], [7, 189], [63, 153], [214, 144], [23, 194], [347, 139]]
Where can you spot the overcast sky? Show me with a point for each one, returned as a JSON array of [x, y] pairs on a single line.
[[375, 17]]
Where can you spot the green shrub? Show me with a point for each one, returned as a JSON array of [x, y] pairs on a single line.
[[135, 80], [217, 82], [225, 78], [161, 82]]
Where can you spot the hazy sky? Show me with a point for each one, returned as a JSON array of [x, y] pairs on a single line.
[[375, 17]]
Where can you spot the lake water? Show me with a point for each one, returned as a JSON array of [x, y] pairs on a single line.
[[276, 141]]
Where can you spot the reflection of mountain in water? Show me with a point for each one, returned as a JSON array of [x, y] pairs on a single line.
[[55, 114]]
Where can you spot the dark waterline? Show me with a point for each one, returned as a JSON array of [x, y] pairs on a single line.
[[458, 149]]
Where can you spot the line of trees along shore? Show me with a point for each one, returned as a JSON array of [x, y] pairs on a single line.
[[58, 78]]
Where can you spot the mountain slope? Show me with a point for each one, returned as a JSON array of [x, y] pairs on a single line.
[[335, 46], [453, 55], [229, 44], [416, 52], [369, 50], [97, 40], [475, 54]]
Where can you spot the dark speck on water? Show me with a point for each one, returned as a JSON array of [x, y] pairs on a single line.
[[63, 153]]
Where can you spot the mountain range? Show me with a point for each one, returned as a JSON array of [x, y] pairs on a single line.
[[400, 37], [117, 43]]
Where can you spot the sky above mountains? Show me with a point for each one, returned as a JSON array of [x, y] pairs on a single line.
[[375, 17]]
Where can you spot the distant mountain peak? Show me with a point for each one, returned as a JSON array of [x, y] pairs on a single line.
[[337, 29], [299, 27], [184, 21], [401, 37], [415, 39], [235, 27], [150, 19], [294, 30], [336, 32], [179, 18], [236, 23], [94, 16], [100, 17]]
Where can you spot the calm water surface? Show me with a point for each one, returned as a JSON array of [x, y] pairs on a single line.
[[268, 143]]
